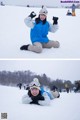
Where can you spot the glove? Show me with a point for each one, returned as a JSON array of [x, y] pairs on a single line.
[[32, 14], [36, 98], [40, 98], [34, 102], [55, 20]]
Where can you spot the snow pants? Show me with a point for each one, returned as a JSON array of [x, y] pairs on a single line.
[[37, 46]]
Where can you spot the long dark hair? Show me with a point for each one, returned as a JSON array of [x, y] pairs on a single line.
[[37, 20]]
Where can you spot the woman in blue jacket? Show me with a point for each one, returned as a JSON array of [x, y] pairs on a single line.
[[39, 31]]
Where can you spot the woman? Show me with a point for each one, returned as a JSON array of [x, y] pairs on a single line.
[[39, 31], [34, 95]]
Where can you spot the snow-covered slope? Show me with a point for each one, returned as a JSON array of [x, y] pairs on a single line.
[[14, 33], [67, 107]]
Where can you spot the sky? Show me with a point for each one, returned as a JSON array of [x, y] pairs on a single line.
[[32, 3], [55, 3], [61, 69]]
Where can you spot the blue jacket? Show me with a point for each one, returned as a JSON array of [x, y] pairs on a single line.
[[39, 32], [48, 93], [73, 8]]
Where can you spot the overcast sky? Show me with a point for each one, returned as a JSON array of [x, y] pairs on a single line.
[[37, 2], [62, 69]]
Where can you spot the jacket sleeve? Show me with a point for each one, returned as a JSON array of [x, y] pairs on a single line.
[[53, 28], [26, 99], [29, 22], [46, 101]]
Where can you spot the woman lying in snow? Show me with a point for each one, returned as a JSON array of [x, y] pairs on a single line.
[[38, 95], [34, 95]]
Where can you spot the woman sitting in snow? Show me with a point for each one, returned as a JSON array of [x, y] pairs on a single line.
[[39, 31], [34, 95]]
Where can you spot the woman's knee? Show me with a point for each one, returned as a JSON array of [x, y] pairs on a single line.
[[35, 48], [38, 49], [56, 44]]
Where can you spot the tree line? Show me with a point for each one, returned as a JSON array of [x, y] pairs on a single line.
[[25, 77]]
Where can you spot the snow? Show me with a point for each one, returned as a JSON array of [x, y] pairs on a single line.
[[14, 33], [67, 107]]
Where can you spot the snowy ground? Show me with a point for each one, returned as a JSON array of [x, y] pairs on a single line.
[[67, 107], [14, 33]]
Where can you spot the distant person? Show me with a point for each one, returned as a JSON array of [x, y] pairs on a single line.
[[55, 92], [26, 87], [42, 6], [39, 31], [73, 10], [34, 95], [67, 88], [54, 88], [19, 85], [77, 86], [2, 4], [69, 13]]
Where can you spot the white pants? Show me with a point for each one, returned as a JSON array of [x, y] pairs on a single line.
[[37, 46]]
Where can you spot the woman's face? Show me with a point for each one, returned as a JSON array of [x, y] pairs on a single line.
[[42, 17], [34, 91]]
